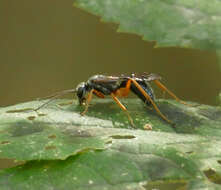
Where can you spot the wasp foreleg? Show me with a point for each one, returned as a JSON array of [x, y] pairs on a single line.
[[88, 100]]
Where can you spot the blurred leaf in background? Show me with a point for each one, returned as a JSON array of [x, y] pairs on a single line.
[[190, 24]]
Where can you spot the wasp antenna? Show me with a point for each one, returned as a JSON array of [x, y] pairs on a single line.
[[54, 96], [61, 93]]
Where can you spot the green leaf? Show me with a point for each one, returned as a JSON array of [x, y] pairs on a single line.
[[128, 163], [28, 135], [185, 23], [102, 151]]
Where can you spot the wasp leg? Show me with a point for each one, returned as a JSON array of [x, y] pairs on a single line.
[[123, 108], [151, 101], [162, 87], [97, 93], [88, 100]]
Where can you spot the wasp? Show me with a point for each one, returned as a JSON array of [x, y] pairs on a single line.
[[117, 87]]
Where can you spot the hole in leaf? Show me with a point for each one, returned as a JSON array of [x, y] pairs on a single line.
[[31, 117], [213, 176], [122, 136], [4, 142], [50, 147], [19, 110], [52, 136]]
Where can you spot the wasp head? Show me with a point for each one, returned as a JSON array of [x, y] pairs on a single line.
[[81, 91]]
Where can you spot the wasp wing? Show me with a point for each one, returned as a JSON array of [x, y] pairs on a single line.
[[106, 84], [116, 80], [102, 79], [141, 76], [151, 77]]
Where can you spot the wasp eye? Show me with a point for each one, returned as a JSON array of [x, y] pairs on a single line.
[[81, 91]]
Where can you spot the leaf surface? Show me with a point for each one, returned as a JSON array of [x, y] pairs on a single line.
[[102, 151]]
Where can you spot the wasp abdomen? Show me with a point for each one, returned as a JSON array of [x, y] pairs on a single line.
[[146, 88]]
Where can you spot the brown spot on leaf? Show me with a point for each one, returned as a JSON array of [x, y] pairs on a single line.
[[122, 136], [50, 147], [31, 117], [109, 142], [213, 176], [4, 142], [171, 184], [52, 136], [41, 114], [190, 152], [19, 110]]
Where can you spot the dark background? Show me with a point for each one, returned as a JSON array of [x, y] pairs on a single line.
[[47, 46]]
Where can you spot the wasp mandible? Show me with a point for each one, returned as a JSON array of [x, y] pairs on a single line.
[[118, 86]]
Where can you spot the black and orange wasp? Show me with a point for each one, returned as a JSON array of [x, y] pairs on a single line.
[[118, 86]]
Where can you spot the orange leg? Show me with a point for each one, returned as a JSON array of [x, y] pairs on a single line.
[[162, 87], [151, 101], [123, 108], [98, 94], [88, 102]]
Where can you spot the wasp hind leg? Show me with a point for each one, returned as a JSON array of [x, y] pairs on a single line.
[[123, 108], [147, 96], [164, 89]]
